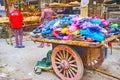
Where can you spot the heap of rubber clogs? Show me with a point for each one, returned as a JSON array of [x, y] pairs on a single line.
[[91, 29]]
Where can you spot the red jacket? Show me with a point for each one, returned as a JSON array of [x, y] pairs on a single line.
[[16, 19]]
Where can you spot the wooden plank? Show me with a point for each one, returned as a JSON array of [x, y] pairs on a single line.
[[111, 4], [77, 43]]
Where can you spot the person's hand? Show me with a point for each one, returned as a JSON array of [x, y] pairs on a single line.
[[40, 20]]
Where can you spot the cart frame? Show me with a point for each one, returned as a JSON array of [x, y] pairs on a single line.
[[69, 58]]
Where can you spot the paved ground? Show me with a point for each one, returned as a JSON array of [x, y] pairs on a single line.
[[18, 64]]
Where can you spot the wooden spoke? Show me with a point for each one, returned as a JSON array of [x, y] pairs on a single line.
[[73, 61], [57, 59], [64, 72], [72, 72], [57, 62], [63, 53], [74, 69], [67, 55], [61, 70], [72, 65], [69, 58], [67, 74], [58, 55]]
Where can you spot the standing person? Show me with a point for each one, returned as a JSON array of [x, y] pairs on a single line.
[[16, 19], [67, 10], [47, 13], [46, 16]]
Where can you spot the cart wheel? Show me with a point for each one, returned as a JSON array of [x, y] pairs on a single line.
[[66, 63]]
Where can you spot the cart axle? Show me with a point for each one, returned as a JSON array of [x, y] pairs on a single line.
[[64, 64]]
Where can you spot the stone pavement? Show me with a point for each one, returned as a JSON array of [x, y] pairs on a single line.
[[18, 64]]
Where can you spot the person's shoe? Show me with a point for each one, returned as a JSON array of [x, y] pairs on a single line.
[[48, 45], [21, 46], [16, 46], [40, 46]]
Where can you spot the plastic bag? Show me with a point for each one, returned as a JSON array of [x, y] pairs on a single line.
[[84, 3]]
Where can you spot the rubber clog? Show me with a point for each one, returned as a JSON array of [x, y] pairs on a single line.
[[21, 46]]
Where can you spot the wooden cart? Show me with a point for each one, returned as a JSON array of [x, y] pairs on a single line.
[[69, 58]]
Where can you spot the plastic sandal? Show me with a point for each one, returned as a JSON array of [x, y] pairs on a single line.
[[48, 45], [41, 45]]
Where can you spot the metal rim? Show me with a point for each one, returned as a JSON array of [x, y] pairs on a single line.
[[66, 63]]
